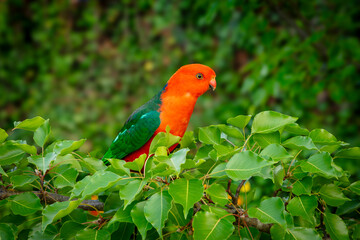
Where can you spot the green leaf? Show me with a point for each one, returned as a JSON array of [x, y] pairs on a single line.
[[348, 207], [119, 167], [91, 185], [303, 186], [163, 139], [138, 217], [42, 162], [80, 186], [335, 226], [25, 204], [6, 232], [3, 172], [321, 136], [10, 154], [68, 160], [137, 164], [230, 131], [279, 174], [92, 234], [244, 165], [219, 171], [99, 182], [355, 187], [332, 195], [177, 159], [188, 140], [225, 152], [296, 129], [66, 178], [203, 152], [300, 143], [124, 231], [122, 215], [113, 202], [219, 212], [49, 233], [22, 180], [157, 208], [162, 169], [270, 121], [301, 233], [161, 151], [218, 194], [303, 206], [277, 232], [248, 233], [30, 124], [65, 147], [129, 191], [352, 153], [69, 229], [356, 232], [209, 226], [41, 134], [276, 152], [23, 146], [270, 211], [186, 192], [176, 215], [92, 164], [319, 163], [239, 121], [265, 139], [58, 210], [3, 135], [209, 135]]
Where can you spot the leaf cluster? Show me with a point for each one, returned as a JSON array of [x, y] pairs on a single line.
[[273, 179]]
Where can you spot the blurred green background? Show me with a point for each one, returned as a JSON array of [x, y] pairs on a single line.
[[87, 65]]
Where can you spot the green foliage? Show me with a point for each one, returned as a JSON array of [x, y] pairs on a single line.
[[90, 64], [206, 189]]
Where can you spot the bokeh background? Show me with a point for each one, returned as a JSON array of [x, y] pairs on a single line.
[[87, 65]]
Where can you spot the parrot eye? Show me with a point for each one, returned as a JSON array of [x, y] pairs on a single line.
[[199, 76]]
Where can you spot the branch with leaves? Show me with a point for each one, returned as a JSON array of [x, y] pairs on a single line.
[[273, 179], [50, 198]]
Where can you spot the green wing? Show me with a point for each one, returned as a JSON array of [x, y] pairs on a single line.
[[138, 129]]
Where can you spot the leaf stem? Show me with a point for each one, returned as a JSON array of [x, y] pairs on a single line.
[[292, 161]]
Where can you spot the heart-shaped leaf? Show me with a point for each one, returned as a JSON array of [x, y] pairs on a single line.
[[157, 208], [186, 192]]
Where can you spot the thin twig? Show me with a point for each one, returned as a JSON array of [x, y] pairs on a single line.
[[228, 190], [238, 191], [288, 171]]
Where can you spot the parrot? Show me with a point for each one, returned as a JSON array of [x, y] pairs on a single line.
[[171, 107]]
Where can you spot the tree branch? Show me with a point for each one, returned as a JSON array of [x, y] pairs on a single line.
[[49, 198], [228, 189], [90, 205], [238, 191], [251, 222]]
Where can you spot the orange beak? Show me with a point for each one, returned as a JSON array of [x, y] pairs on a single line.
[[212, 84]]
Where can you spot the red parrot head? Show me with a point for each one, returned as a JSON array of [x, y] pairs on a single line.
[[194, 79]]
